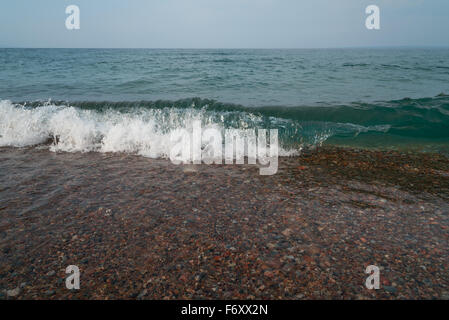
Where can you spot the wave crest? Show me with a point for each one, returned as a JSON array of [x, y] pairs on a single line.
[[144, 127]]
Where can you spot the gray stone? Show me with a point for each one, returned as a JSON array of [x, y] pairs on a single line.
[[13, 293], [390, 289]]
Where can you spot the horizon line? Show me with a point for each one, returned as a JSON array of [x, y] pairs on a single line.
[[236, 48]]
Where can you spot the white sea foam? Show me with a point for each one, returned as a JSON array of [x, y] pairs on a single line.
[[141, 131]]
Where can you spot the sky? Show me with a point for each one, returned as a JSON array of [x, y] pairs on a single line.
[[223, 23]]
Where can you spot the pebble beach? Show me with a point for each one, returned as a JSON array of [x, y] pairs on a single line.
[[141, 228]]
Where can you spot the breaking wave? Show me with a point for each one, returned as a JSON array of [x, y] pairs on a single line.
[[144, 127]]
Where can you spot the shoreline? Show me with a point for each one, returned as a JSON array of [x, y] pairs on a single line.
[[141, 228]]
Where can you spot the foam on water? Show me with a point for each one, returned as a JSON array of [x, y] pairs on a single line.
[[145, 127], [140, 131]]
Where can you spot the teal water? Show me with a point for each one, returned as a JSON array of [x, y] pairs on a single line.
[[381, 98]]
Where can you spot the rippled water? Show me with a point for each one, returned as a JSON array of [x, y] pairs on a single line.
[[247, 77], [388, 98]]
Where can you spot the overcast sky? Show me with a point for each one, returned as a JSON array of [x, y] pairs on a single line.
[[223, 23]]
